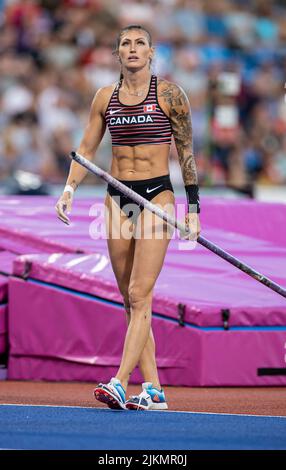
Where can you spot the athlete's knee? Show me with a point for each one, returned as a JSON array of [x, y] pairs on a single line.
[[140, 298]]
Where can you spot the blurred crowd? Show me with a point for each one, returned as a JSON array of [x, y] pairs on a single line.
[[228, 55]]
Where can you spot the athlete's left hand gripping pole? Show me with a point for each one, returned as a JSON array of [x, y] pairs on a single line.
[[183, 229]]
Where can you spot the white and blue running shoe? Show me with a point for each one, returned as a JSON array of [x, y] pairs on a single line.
[[112, 394], [149, 399]]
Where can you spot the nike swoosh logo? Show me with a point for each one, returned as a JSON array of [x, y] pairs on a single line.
[[153, 189], [116, 111]]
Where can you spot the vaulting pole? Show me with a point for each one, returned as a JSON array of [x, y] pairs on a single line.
[[172, 221]]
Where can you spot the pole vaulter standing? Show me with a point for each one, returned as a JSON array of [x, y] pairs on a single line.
[[141, 135], [142, 112]]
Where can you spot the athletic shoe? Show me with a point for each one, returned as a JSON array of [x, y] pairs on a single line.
[[149, 399], [112, 394]]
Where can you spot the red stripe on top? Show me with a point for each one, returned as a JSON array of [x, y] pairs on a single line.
[[130, 125]]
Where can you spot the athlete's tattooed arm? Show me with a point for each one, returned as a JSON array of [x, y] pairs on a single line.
[[181, 122]]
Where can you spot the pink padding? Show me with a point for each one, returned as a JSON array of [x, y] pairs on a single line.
[[6, 261], [22, 242], [201, 281], [204, 283], [62, 336], [6, 268], [36, 214], [3, 328], [232, 358], [77, 330], [3, 288], [34, 368]]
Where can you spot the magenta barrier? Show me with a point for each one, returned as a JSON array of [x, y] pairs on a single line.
[[68, 336], [3, 288], [204, 288], [82, 333], [3, 328], [205, 284], [195, 287], [6, 267], [6, 262], [30, 215], [234, 357]]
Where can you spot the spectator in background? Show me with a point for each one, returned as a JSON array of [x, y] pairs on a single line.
[[55, 55], [22, 145]]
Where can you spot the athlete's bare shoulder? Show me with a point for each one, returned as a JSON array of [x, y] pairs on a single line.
[[102, 97], [105, 91], [172, 94]]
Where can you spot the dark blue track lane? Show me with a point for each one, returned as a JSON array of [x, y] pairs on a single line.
[[44, 427]]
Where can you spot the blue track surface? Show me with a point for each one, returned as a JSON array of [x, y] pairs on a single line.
[[44, 427]]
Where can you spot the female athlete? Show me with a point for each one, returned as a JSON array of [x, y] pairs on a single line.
[[142, 112]]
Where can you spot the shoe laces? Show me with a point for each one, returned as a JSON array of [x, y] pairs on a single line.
[[143, 394]]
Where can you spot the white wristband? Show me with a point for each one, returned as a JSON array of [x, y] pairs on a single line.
[[69, 188]]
